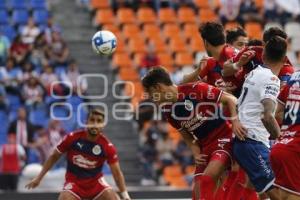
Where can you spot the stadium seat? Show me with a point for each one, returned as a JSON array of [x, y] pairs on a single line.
[[201, 3], [137, 46], [121, 46], [259, 3], [96, 4], [126, 16], [111, 27], [174, 135], [4, 18], [186, 15], [231, 25], [159, 44], [196, 44], [172, 172], [130, 30], [121, 60], [8, 31], [146, 15], [190, 170], [254, 30], [17, 4], [177, 45], [128, 74], [137, 57], [20, 16], [40, 16], [166, 15], [190, 30], [206, 14], [4, 126], [178, 182], [104, 16], [184, 58], [292, 29], [151, 30], [2, 4], [38, 116], [171, 30], [166, 60], [38, 4]]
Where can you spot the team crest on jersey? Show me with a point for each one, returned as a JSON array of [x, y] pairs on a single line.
[[188, 104], [69, 186], [96, 150]]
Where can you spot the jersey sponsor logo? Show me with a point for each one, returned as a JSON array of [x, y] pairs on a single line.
[[97, 150], [83, 162], [188, 104], [80, 145], [272, 90]]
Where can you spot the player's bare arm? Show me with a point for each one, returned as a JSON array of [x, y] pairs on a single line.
[[200, 159], [268, 118], [194, 76], [230, 67], [54, 157], [231, 103], [279, 112], [119, 179]]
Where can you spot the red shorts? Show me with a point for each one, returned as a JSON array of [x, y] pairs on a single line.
[[90, 191], [218, 147], [285, 163]]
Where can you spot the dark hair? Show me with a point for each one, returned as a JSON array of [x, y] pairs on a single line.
[[255, 42], [154, 76], [233, 34], [96, 111], [272, 32], [213, 33], [275, 49]]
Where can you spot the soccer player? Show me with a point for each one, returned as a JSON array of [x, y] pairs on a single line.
[[210, 68], [256, 107], [86, 150], [285, 154], [250, 57], [194, 110], [237, 38]]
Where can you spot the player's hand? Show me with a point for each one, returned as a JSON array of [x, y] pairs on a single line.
[[246, 57], [203, 62], [200, 159], [33, 183], [238, 129]]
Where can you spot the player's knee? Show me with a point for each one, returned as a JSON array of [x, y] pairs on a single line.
[[108, 195], [66, 196]]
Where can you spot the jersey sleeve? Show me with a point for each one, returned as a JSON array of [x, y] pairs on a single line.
[[282, 97], [237, 57], [270, 89], [111, 153], [65, 143], [285, 73], [208, 92], [204, 71]]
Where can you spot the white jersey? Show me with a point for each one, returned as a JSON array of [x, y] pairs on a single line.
[[260, 84]]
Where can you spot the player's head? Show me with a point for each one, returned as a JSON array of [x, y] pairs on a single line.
[[275, 50], [95, 121], [157, 83], [272, 32], [237, 37], [213, 35], [255, 42]]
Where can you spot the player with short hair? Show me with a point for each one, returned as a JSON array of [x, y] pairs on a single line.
[[237, 37], [285, 154], [194, 110], [86, 151], [256, 108]]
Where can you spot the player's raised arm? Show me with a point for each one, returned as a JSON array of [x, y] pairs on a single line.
[[268, 118], [195, 75], [230, 102], [54, 157], [120, 180]]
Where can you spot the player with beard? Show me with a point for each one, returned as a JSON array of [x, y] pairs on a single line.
[[86, 151]]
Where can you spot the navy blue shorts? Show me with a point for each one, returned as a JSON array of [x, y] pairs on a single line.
[[253, 157]]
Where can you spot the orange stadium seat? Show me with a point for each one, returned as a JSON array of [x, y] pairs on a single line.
[[104, 16], [191, 30], [146, 15], [177, 45], [151, 31], [130, 30], [167, 15], [231, 25], [137, 45], [128, 74], [196, 44], [254, 30], [159, 44], [179, 182], [166, 60], [121, 60], [259, 3], [174, 135], [96, 4], [183, 58], [201, 3], [137, 57], [111, 27], [206, 14], [171, 30], [186, 15], [121, 46], [126, 16], [190, 170]]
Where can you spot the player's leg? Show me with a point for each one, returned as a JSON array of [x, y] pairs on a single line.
[[285, 195], [68, 195], [107, 194]]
